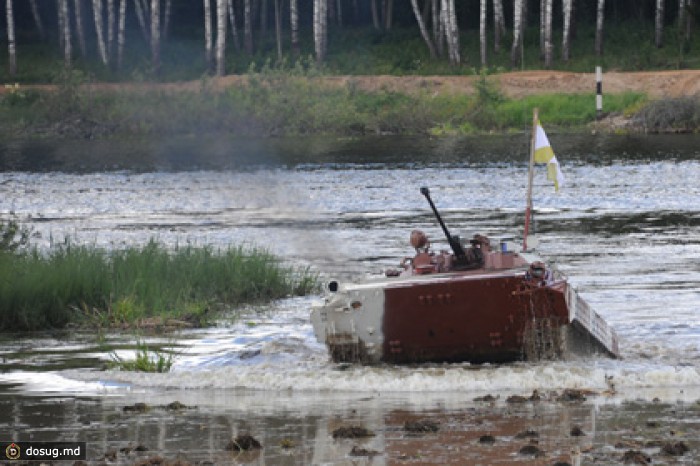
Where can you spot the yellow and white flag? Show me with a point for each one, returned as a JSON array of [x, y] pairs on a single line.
[[545, 154]]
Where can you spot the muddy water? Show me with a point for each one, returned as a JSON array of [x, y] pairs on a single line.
[[625, 229]]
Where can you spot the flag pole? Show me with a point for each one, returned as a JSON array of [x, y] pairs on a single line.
[[530, 174]]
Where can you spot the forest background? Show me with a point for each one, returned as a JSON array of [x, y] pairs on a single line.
[[281, 67]]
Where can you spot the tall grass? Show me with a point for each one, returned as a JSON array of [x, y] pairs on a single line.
[[74, 284]]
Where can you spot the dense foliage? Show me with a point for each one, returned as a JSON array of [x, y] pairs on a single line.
[[358, 41]]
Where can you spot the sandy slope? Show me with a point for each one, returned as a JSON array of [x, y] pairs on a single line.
[[516, 84]]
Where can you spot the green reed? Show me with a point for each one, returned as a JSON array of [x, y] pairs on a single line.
[[81, 284]]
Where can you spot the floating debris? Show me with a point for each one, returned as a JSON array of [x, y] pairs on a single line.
[[176, 406], [357, 451], [130, 448], [352, 432], [287, 444], [529, 433], [244, 442], [136, 408], [421, 426], [635, 457], [532, 450], [675, 449], [574, 395]]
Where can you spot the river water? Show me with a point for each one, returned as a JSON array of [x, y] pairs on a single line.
[[625, 228]]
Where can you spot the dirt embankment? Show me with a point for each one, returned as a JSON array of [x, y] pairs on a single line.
[[656, 84], [517, 84]]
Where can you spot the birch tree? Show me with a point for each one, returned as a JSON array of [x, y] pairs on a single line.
[[207, 34], [11, 46], [566, 32], [166, 19], [67, 42], [517, 33], [220, 37], [423, 30], [98, 15], [659, 24], [388, 12], [247, 28], [375, 14], [121, 38], [37, 19], [110, 28], [79, 26], [499, 24], [141, 11], [482, 32], [320, 29], [278, 27], [155, 36], [449, 19], [548, 33], [294, 26], [599, 28], [438, 33]]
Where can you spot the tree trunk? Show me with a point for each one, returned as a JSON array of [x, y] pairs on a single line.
[[543, 10], [659, 24], [263, 18], [155, 36], [451, 31], [294, 26], [388, 14], [499, 24], [207, 35], [110, 29], [234, 27], [67, 42], [11, 46], [166, 19], [221, 37], [97, 10], [599, 28], [482, 32], [339, 12], [438, 34], [61, 20], [423, 30], [320, 15], [548, 34], [37, 20], [247, 27], [141, 16], [324, 27], [566, 32], [517, 32], [121, 38], [689, 19], [278, 28], [79, 28], [375, 15]]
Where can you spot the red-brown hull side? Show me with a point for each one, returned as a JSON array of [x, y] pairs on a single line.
[[465, 318]]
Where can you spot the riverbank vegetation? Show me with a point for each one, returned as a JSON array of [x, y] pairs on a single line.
[[83, 285], [297, 101]]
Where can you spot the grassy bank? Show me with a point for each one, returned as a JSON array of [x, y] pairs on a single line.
[[85, 285], [276, 102]]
